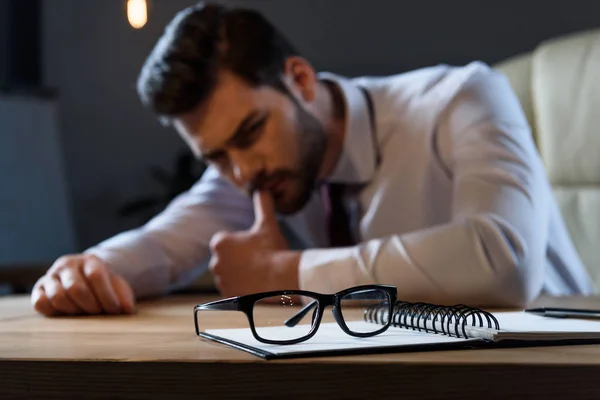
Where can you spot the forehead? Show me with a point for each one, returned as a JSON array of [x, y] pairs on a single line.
[[218, 117]]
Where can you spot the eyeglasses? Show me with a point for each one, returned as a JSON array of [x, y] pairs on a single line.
[[271, 313]]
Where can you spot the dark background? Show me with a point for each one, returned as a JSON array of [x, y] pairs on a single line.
[[88, 53]]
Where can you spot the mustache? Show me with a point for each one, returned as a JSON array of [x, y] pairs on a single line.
[[263, 180]]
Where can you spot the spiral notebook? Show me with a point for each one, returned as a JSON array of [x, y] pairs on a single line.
[[421, 327]]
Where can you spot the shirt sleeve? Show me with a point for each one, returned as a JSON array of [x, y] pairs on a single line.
[[491, 252], [172, 249]]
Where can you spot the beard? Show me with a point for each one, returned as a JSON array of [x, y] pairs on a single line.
[[312, 143]]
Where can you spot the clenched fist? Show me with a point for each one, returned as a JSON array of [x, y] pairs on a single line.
[[81, 284]]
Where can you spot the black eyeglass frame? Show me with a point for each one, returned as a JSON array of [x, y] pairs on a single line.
[[246, 303]]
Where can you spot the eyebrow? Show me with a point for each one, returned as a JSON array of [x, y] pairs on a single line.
[[240, 131]]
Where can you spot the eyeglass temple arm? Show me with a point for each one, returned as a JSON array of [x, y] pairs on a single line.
[[293, 321], [231, 304]]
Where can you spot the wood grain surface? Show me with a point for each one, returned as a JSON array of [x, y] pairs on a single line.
[[156, 353]]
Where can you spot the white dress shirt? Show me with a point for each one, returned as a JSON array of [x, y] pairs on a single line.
[[450, 197]]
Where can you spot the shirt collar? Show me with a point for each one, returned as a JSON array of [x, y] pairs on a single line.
[[356, 164]]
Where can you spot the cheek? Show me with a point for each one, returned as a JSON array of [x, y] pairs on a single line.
[[281, 143]]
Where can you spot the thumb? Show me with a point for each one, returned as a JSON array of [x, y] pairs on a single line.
[[264, 210], [124, 293]]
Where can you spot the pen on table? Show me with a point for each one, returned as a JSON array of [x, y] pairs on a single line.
[[564, 312]]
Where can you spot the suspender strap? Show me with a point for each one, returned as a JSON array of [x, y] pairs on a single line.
[[372, 121]]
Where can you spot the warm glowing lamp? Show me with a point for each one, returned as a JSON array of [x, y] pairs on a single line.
[[137, 13]]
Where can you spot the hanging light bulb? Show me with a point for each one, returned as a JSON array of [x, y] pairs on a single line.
[[137, 13]]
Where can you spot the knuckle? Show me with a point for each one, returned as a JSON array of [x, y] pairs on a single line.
[[38, 298], [63, 259], [66, 261], [59, 298], [59, 264], [218, 241], [213, 265], [76, 289], [92, 257], [95, 274]]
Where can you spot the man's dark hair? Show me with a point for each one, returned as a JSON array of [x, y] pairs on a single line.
[[181, 71]]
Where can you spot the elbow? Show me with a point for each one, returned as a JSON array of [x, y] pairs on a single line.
[[515, 287], [515, 265]]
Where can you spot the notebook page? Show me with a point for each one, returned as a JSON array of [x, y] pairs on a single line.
[[528, 326], [331, 337]]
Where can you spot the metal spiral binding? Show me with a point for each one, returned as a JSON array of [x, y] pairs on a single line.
[[426, 317]]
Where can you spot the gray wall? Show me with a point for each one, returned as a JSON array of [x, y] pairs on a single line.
[[92, 56], [35, 218], [3, 42]]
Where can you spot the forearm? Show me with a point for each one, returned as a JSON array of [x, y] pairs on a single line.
[[139, 262], [147, 263], [477, 261], [172, 249]]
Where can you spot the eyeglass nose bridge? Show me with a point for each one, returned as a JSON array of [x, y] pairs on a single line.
[[336, 309], [337, 314]]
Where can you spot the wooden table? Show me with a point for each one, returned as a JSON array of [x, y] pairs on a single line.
[[155, 354]]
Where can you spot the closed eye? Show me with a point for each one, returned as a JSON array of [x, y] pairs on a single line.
[[251, 134]]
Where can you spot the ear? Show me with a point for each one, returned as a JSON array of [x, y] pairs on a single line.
[[301, 78]]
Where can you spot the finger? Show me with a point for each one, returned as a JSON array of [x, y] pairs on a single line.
[[264, 210], [57, 295], [219, 241], [58, 263], [213, 264], [40, 301], [98, 279], [124, 294], [79, 292]]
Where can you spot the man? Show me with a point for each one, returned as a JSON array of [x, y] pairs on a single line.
[[447, 196]]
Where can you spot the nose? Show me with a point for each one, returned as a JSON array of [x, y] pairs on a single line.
[[244, 167]]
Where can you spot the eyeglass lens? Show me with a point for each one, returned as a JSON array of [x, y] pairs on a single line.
[[353, 306], [270, 314]]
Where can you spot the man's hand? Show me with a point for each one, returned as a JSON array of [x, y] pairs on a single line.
[[255, 260], [81, 284]]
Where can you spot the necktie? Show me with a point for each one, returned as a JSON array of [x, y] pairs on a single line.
[[338, 217]]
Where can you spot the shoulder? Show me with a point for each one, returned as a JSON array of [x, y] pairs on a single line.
[[440, 83], [483, 95], [427, 94]]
